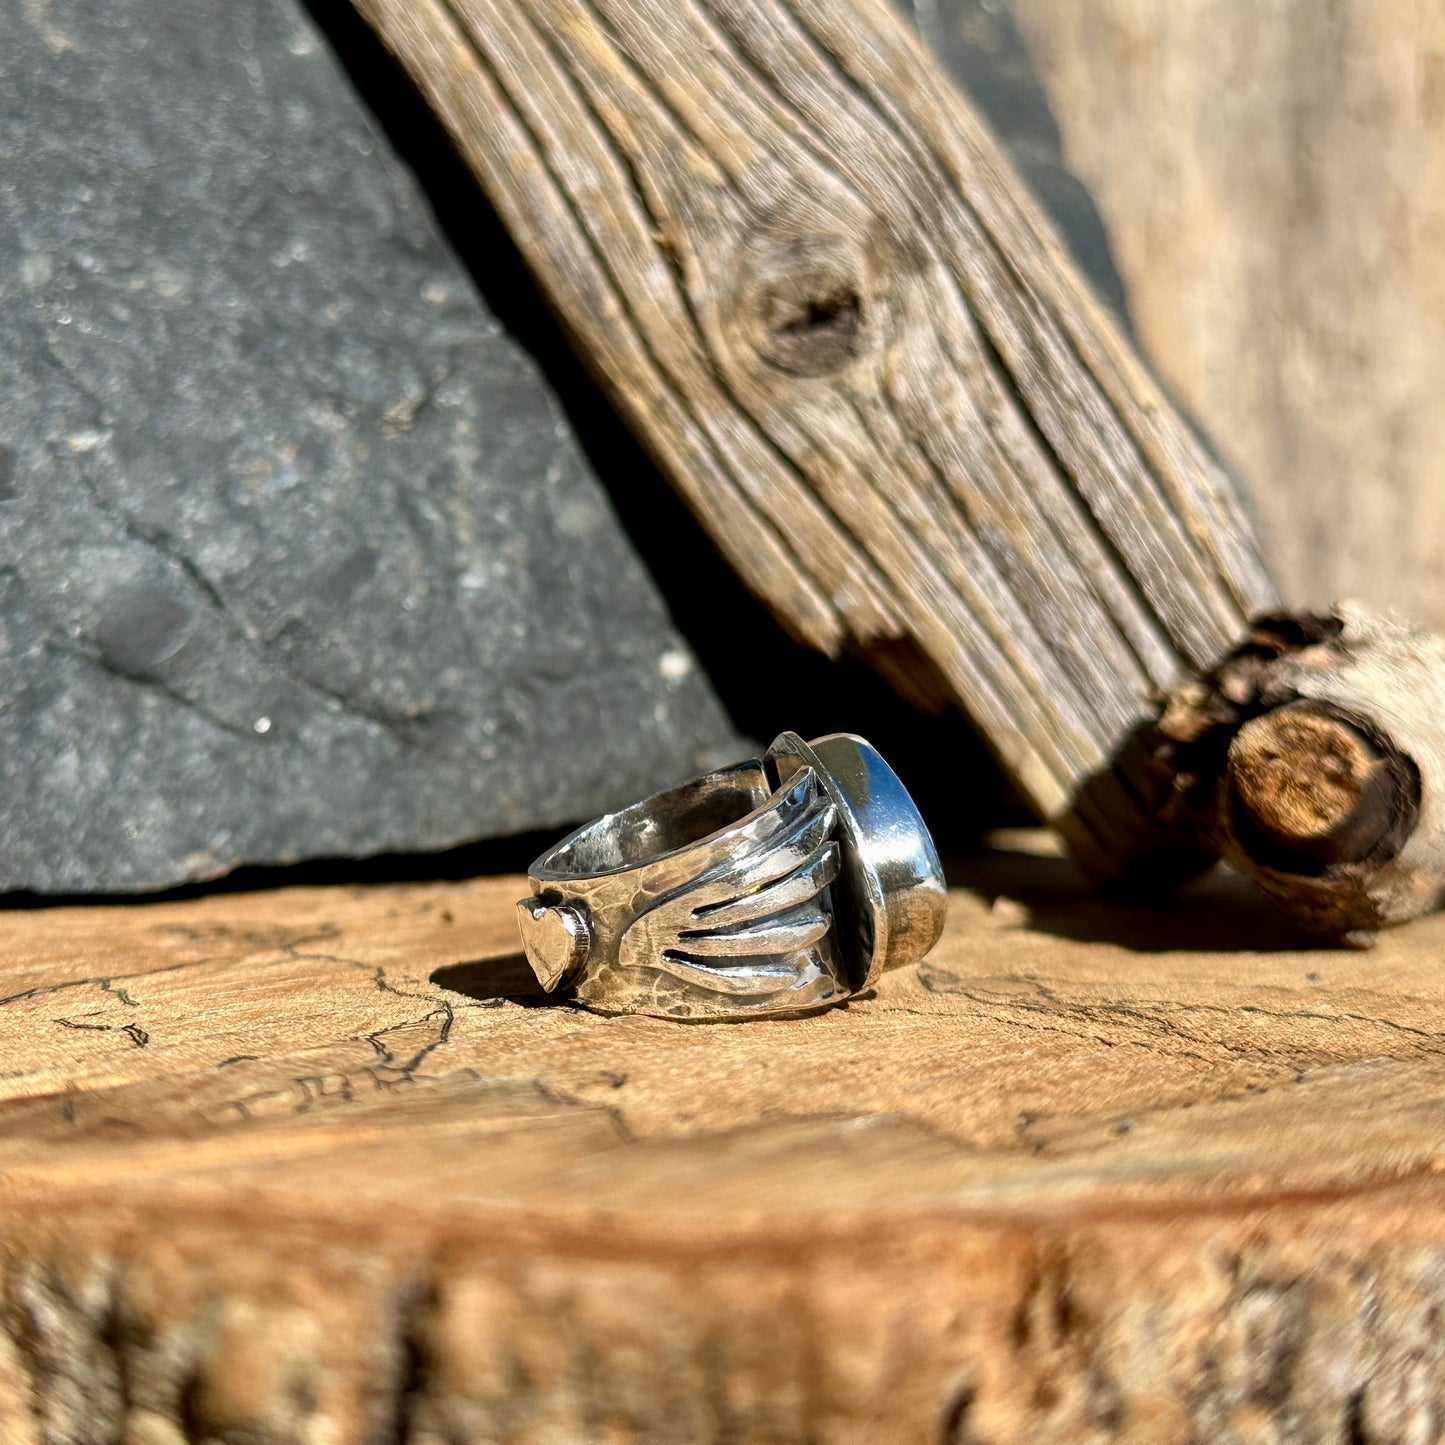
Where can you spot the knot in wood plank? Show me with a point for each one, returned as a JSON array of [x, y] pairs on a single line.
[[812, 322], [810, 301]]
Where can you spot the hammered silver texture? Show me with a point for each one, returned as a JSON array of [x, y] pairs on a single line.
[[775, 886]]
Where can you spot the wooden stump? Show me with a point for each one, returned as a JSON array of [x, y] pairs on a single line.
[[309, 1165]]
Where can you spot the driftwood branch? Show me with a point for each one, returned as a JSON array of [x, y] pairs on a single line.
[[1311, 760], [806, 276]]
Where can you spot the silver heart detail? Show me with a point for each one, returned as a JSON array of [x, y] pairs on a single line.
[[555, 936]]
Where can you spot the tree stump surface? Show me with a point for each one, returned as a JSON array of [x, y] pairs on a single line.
[[310, 1165]]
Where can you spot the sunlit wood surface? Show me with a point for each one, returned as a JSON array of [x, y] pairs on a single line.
[[310, 1165]]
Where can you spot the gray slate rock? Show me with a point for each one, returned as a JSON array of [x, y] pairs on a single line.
[[298, 557]]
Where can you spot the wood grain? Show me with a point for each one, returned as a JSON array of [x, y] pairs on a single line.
[[802, 270], [1273, 182], [292, 1167]]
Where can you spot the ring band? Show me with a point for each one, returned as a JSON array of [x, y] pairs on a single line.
[[774, 886]]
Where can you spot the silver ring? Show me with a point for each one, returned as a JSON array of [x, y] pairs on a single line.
[[774, 886]]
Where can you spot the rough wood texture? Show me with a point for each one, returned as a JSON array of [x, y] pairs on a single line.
[[1273, 182], [815, 289], [1088, 1173]]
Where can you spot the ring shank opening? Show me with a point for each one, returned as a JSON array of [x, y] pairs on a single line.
[[658, 825]]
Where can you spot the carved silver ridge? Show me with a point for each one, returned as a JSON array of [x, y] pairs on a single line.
[[773, 886]]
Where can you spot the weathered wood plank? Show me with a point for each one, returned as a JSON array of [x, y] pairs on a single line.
[[283, 1167], [800, 268]]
